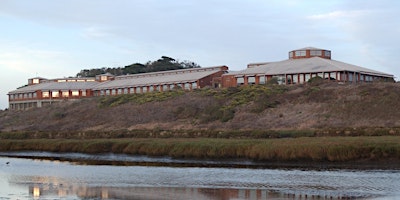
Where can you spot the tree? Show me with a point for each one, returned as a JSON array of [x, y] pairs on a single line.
[[163, 64]]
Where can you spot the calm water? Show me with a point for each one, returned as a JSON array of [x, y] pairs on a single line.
[[40, 179]]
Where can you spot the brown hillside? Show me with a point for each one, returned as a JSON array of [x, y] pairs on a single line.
[[312, 106]]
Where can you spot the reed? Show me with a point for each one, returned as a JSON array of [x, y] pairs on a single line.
[[331, 149]]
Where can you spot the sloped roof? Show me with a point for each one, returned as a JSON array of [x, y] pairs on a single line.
[[158, 78], [309, 48], [56, 86], [307, 65]]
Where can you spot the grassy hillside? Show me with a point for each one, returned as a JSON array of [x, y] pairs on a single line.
[[329, 108]]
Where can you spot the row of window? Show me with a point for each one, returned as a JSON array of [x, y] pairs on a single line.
[[145, 89], [312, 53], [64, 94], [23, 95], [48, 94], [302, 78]]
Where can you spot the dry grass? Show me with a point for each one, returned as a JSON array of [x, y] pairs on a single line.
[[316, 106], [321, 149]]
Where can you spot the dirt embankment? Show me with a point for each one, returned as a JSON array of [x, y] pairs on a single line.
[[327, 106]]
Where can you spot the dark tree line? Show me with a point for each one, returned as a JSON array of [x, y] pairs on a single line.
[[163, 64]]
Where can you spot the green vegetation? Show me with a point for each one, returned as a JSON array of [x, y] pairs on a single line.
[[228, 100], [109, 101], [163, 64], [321, 149]]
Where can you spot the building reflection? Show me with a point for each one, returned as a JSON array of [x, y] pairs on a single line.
[[84, 192]]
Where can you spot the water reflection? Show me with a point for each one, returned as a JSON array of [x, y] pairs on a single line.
[[39, 179], [83, 192]]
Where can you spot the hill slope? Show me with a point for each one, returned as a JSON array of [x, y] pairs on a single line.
[[272, 107]]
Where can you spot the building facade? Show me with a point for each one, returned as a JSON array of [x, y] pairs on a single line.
[[41, 91], [187, 79], [302, 65]]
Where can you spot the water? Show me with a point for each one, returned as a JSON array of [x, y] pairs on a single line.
[[40, 179]]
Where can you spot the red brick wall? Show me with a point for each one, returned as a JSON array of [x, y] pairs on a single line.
[[229, 81]]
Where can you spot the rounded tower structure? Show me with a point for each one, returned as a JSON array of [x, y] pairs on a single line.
[[309, 52]]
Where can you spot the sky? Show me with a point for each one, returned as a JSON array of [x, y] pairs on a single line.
[[55, 39]]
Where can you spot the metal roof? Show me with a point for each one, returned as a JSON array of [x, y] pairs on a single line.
[[159, 78], [154, 78], [55, 86], [307, 65], [309, 48]]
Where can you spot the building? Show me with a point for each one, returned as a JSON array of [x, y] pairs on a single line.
[[187, 79], [41, 92], [302, 65]]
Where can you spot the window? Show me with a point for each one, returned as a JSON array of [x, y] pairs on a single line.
[[75, 93], [307, 77], [119, 91], [158, 88], [165, 88], [333, 76], [46, 94], [301, 78], [65, 93], [280, 79], [35, 81], [251, 80], [55, 94], [144, 89], [361, 77], [194, 85], [288, 79], [132, 90], [113, 91], [315, 53], [187, 86], [125, 90], [84, 93], [295, 79], [103, 78], [34, 95], [240, 80], [291, 54], [25, 96], [151, 88], [300, 53], [327, 54], [11, 96], [107, 92], [262, 79]]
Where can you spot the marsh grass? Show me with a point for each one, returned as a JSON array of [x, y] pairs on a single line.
[[320, 149]]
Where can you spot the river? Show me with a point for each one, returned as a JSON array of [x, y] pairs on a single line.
[[22, 178]]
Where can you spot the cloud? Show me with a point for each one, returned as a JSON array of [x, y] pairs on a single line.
[[95, 32], [338, 15]]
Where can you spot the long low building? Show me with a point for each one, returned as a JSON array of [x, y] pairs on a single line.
[[187, 79], [41, 92], [302, 65]]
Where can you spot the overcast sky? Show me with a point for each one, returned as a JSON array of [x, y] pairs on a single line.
[[54, 39]]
